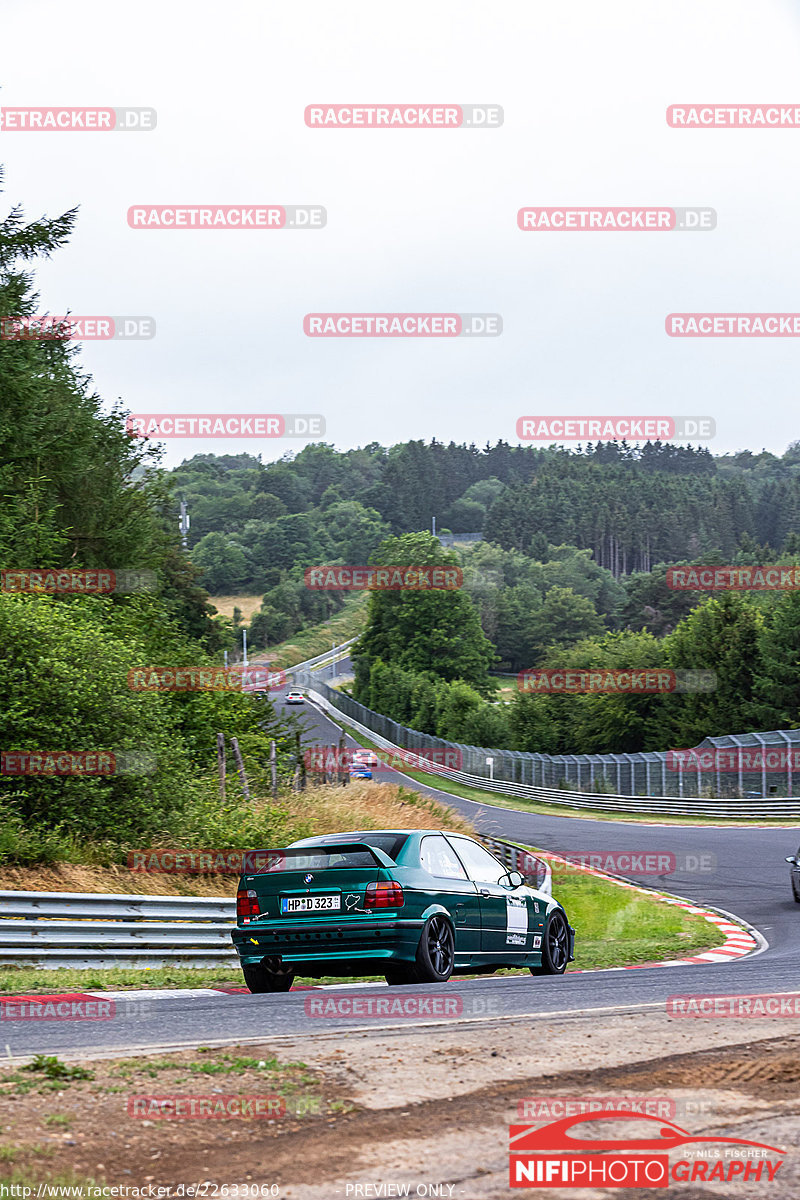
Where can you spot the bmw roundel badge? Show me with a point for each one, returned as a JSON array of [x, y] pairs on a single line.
[[307, 878]]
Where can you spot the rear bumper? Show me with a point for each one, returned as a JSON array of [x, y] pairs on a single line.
[[318, 941]]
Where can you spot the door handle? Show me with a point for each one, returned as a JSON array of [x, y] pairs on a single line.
[[485, 892]]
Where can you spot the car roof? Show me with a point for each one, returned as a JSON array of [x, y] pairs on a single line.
[[354, 834]]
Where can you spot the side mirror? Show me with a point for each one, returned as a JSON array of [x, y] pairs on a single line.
[[792, 860], [514, 878]]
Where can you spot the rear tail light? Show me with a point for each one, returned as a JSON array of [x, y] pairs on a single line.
[[247, 905], [384, 895]]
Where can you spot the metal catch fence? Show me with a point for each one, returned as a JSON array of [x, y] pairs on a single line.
[[754, 774]]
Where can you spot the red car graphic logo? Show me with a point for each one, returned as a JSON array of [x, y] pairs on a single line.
[[556, 1138]]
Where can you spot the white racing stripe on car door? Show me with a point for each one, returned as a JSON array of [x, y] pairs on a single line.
[[516, 920]]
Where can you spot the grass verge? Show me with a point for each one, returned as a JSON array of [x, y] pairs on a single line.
[[247, 603], [308, 643]]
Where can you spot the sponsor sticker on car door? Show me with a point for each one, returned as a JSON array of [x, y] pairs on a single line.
[[516, 921]]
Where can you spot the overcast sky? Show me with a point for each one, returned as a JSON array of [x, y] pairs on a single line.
[[419, 221]]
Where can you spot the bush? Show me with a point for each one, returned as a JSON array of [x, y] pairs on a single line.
[[64, 687]]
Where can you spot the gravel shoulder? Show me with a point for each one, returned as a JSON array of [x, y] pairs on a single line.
[[424, 1107]]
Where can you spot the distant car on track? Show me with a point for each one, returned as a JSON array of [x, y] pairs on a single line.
[[416, 906], [359, 770], [794, 874], [295, 696], [366, 757], [362, 763]]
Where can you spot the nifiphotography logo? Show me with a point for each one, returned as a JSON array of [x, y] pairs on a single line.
[[562, 1154]]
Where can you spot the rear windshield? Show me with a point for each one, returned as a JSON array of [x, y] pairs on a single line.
[[318, 858], [390, 843]]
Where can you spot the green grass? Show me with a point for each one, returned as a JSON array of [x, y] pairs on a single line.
[[497, 800], [617, 926], [308, 643], [31, 1177]]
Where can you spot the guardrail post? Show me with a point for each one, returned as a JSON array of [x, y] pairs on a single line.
[[273, 767], [300, 769]]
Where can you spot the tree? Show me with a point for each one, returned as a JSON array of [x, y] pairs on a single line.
[[354, 531], [516, 624], [651, 604], [722, 635], [778, 681], [223, 563], [434, 631], [465, 516], [563, 619], [75, 488], [65, 466]]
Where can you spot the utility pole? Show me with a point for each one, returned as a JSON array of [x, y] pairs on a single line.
[[244, 647], [433, 526], [184, 524]]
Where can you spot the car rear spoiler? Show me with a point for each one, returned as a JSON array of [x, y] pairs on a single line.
[[381, 858]]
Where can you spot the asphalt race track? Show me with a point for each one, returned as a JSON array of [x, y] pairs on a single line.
[[745, 875]]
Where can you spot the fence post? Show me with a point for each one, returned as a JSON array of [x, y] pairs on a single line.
[[221, 765], [237, 754], [300, 769]]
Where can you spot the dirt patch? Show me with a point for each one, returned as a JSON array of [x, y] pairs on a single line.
[[429, 1107]]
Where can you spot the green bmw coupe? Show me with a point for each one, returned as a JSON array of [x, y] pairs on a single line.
[[416, 906]]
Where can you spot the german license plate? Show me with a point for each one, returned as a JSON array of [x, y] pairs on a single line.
[[296, 904]]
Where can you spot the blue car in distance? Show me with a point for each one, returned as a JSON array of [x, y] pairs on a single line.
[[362, 763]]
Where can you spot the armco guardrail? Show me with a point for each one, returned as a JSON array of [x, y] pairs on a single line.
[[74, 929], [330, 656], [685, 806]]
